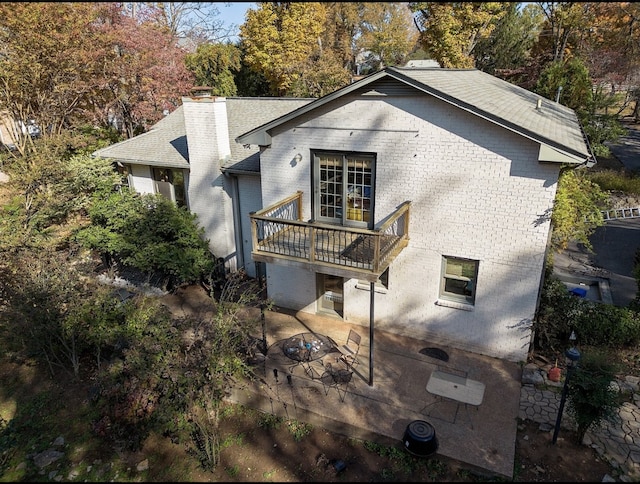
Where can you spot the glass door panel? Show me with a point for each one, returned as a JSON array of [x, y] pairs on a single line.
[[331, 188], [359, 189], [344, 189], [330, 294]]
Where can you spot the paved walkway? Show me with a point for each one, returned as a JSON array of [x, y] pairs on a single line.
[[617, 442]]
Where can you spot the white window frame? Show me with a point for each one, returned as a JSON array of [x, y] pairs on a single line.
[[170, 183], [465, 276]]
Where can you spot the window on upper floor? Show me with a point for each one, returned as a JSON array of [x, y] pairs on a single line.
[[458, 282], [343, 188]]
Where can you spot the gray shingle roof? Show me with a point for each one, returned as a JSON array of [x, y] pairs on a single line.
[[505, 103], [480, 93], [244, 114], [165, 144], [249, 119]]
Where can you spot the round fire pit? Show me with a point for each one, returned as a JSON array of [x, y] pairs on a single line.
[[420, 438]]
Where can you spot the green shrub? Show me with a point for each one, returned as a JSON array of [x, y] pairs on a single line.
[[151, 234], [608, 326], [618, 181], [590, 396], [577, 209], [595, 323]]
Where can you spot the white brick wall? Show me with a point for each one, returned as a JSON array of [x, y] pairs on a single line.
[[477, 191], [208, 191]]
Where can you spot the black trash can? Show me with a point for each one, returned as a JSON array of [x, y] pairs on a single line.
[[420, 438]]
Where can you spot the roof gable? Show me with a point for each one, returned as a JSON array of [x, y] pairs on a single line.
[[500, 102]]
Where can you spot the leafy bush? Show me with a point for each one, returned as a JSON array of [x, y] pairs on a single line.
[[577, 209], [172, 377], [149, 233], [607, 325], [55, 182], [612, 180], [40, 289], [595, 323], [556, 315], [591, 397]]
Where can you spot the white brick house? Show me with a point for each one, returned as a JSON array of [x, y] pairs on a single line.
[[432, 186]]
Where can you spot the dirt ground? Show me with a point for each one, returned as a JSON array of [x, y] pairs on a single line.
[[261, 454]]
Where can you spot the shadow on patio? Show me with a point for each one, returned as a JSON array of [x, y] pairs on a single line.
[[482, 436]]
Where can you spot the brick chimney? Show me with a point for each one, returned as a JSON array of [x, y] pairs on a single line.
[[207, 129]]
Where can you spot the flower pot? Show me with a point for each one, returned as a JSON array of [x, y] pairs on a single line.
[[554, 374]]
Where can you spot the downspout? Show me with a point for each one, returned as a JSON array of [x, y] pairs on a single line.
[[237, 221]]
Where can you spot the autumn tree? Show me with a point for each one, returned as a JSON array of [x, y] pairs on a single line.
[[199, 22], [386, 33], [451, 31], [64, 65], [611, 48], [565, 24], [340, 31], [311, 49], [279, 37], [249, 82], [509, 45], [214, 65], [52, 58], [145, 75]]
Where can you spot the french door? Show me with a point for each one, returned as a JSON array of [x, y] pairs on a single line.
[[344, 188]]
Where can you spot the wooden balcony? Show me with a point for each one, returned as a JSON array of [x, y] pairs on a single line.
[[281, 237]]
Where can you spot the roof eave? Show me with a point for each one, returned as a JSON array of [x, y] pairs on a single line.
[[576, 156], [261, 135]]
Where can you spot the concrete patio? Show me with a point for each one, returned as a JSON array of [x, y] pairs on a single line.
[[482, 437]]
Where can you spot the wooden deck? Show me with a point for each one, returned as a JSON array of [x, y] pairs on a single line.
[[280, 237]]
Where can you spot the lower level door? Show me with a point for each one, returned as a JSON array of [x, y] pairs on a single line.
[[330, 294]]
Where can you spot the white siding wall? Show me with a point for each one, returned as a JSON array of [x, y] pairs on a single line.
[[250, 200], [477, 192], [208, 192]]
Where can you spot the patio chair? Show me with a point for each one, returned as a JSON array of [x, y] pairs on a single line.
[[338, 378], [350, 349]]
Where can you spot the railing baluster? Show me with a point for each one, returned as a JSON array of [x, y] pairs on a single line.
[[278, 229]]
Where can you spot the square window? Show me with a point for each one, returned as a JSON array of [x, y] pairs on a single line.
[[459, 277]]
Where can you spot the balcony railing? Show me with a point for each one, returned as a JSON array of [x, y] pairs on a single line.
[[281, 237]]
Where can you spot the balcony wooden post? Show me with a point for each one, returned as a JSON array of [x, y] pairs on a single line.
[[299, 205], [376, 253], [254, 231]]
